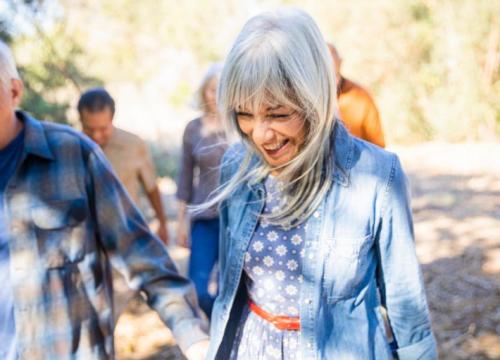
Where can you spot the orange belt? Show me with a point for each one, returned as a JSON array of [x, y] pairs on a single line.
[[280, 322]]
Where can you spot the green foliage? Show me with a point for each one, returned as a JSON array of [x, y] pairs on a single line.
[[56, 78], [34, 102], [181, 95], [432, 66], [52, 74], [5, 34], [166, 159]]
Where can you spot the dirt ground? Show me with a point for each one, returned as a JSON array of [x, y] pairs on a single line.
[[456, 204]]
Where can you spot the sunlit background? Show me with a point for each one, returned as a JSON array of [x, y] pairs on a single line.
[[432, 67]]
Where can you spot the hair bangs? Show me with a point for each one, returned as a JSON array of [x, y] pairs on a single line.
[[259, 78]]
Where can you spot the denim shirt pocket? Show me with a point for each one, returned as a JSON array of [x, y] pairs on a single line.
[[344, 268], [59, 231]]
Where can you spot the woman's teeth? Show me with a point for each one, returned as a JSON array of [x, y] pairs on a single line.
[[275, 147]]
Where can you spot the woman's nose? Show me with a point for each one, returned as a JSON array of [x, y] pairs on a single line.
[[261, 132]]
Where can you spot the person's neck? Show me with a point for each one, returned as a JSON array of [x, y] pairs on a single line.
[[11, 127], [211, 117]]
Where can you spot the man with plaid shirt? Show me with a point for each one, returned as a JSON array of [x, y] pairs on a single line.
[[65, 220]]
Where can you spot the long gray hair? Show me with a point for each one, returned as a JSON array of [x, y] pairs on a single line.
[[281, 57]]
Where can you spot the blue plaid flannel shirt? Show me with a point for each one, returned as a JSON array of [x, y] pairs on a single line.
[[70, 222]]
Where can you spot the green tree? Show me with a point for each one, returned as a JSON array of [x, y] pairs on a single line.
[[52, 76]]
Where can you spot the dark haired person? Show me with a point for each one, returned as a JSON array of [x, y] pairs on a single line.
[[128, 153], [132, 162]]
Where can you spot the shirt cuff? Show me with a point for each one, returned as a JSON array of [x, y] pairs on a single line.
[[425, 349], [190, 333]]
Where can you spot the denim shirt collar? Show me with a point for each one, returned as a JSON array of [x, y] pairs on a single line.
[[35, 141], [342, 157], [343, 146]]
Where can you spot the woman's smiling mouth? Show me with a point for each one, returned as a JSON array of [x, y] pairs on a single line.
[[277, 149]]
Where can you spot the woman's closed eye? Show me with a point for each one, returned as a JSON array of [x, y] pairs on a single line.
[[280, 116], [242, 114]]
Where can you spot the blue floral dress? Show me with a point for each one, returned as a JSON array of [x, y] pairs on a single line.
[[273, 278]]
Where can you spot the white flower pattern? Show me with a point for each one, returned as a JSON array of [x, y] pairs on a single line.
[[273, 264], [272, 236], [291, 290], [292, 265], [281, 250], [257, 270], [268, 261], [296, 239], [280, 275], [258, 246]]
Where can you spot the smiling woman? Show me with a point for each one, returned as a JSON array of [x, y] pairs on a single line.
[[278, 85], [278, 132], [316, 227]]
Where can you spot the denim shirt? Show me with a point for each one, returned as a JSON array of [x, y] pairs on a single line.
[[360, 254]]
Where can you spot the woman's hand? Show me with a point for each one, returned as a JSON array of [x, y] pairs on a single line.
[[182, 236], [182, 229], [198, 351]]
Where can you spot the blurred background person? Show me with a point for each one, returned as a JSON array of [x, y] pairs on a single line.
[[128, 153], [357, 108], [132, 162], [203, 145]]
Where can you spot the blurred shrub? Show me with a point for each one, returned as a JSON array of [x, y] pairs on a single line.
[[166, 159]]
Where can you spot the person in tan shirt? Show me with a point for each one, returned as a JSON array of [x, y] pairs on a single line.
[[127, 153], [132, 162], [357, 108]]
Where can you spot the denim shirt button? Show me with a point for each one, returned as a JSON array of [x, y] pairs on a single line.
[[309, 345], [309, 301]]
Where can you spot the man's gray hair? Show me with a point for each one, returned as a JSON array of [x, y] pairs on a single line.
[[8, 70]]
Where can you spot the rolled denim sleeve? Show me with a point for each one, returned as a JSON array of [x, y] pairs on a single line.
[[141, 257], [400, 279]]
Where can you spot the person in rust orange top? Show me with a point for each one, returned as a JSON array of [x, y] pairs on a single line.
[[357, 108]]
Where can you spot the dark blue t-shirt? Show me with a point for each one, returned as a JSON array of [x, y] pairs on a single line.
[[9, 158]]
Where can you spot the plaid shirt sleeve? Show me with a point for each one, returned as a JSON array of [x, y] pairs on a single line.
[[136, 253]]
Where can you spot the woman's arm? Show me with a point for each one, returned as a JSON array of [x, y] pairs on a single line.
[[182, 229], [185, 184], [400, 279]]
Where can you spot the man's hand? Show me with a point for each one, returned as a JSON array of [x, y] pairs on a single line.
[[198, 351], [163, 233]]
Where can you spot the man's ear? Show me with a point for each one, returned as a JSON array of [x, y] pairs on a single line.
[[17, 90]]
